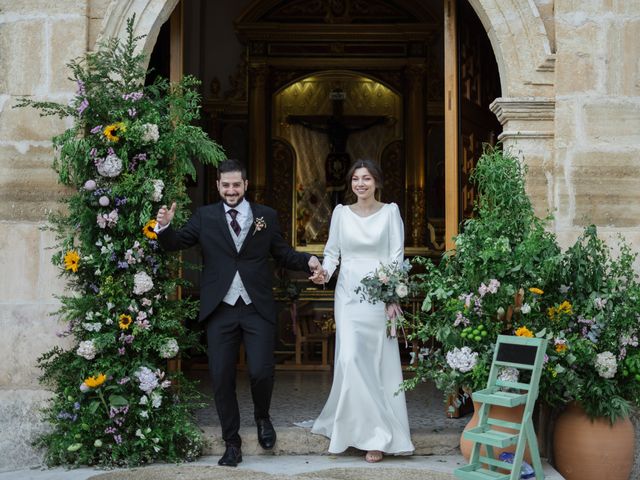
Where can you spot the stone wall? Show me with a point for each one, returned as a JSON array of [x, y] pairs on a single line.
[[597, 138], [37, 38]]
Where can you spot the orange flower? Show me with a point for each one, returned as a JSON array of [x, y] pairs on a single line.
[[524, 332], [561, 347], [71, 261], [95, 382], [148, 230], [125, 321]]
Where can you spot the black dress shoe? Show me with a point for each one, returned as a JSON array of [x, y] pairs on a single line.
[[266, 433], [232, 457]]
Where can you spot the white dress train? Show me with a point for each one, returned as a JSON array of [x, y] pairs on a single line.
[[364, 409]]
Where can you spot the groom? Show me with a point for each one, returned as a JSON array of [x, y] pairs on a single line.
[[236, 301]]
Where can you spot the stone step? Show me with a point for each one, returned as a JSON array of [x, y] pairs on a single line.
[[300, 441]]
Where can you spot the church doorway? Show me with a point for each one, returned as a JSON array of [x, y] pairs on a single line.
[[298, 89]]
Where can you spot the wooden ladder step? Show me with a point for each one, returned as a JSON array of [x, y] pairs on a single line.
[[475, 471], [495, 438], [498, 397]]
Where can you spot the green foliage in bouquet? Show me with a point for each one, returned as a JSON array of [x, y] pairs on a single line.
[[492, 283], [593, 329], [129, 150]]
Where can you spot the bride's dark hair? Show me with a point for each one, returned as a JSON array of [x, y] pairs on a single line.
[[375, 171]]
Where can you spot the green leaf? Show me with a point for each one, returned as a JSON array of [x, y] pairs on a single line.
[[117, 401]]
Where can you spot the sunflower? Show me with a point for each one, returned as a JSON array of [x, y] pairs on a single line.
[[565, 307], [524, 332], [125, 321], [95, 382], [535, 290], [111, 131], [148, 229], [71, 261]]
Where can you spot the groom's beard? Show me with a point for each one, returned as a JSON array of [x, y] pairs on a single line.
[[233, 202]]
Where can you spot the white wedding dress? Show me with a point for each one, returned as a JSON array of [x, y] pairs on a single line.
[[363, 409]]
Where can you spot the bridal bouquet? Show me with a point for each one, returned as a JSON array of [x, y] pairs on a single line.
[[389, 284]]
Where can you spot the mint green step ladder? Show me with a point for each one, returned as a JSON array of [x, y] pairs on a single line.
[[527, 356]]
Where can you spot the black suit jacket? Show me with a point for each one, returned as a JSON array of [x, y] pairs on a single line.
[[208, 226]]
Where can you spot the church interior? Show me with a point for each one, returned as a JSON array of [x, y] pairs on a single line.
[[298, 89]]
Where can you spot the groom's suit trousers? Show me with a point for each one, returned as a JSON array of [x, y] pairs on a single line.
[[227, 326]]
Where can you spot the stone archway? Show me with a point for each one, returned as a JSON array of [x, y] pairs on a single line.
[[516, 31], [522, 49]]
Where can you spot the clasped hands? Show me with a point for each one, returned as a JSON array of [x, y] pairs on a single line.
[[319, 275]]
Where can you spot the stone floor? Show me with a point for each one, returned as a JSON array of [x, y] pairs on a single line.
[[300, 396]]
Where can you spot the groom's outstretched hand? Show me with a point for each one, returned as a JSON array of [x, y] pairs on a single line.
[[165, 215]]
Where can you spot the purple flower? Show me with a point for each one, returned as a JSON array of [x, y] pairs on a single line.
[[132, 112], [83, 106], [96, 129], [133, 96], [121, 351], [120, 201], [118, 439], [123, 380], [81, 88], [153, 244], [94, 287], [76, 406], [123, 265]]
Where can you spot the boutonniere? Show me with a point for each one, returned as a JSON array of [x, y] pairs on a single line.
[[259, 224]]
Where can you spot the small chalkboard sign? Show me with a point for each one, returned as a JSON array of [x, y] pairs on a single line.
[[524, 354]]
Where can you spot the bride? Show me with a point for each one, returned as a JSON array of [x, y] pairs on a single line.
[[363, 409]]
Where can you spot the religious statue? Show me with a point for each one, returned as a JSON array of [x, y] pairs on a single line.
[[338, 127]]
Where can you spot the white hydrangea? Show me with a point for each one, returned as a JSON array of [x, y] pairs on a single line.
[[142, 283], [606, 364], [462, 359], [158, 186], [402, 290], [110, 166], [509, 374], [169, 349], [87, 349], [147, 379], [150, 133]]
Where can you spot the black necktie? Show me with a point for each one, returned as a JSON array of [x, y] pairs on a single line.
[[235, 226]]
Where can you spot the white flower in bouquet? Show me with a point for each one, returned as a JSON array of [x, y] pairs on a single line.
[[110, 166], [87, 349], [158, 186], [150, 133], [169, 349], [526, 308], [147, 379], [105, 220], [142, 283], [606, 364], [402, 290], [383, 277], [462, 359]]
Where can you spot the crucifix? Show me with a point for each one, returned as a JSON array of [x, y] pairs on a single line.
[[338, 127]]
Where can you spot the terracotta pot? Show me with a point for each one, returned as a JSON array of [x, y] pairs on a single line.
[[502, 413], [592, 450]]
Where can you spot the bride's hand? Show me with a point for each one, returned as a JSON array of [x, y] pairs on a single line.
[[319, 276]]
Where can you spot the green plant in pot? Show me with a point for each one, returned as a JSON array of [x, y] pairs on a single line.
[[492, 283]]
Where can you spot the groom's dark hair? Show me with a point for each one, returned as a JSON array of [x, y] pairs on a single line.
[[232, 165]]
